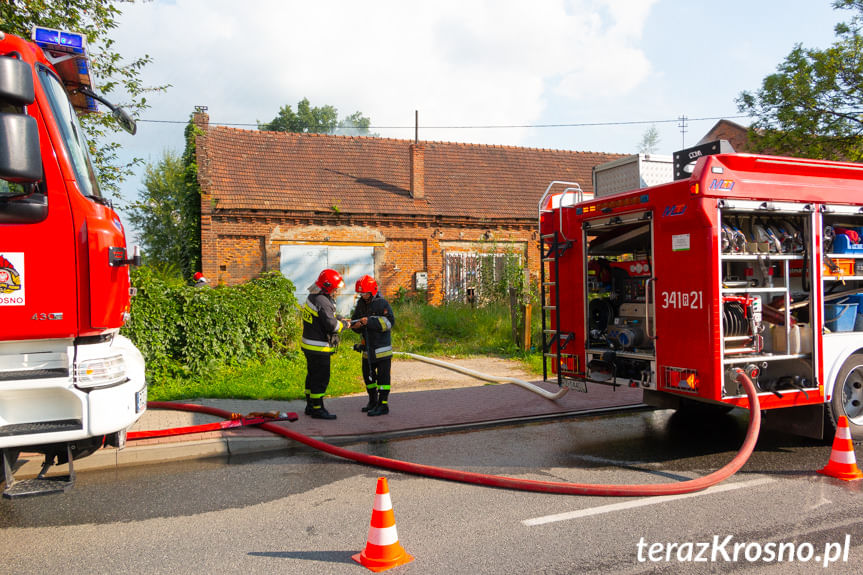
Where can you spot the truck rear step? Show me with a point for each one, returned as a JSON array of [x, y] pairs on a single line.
[[40, 485]]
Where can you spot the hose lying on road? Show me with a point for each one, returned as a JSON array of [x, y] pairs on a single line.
[[687, 486], [521, 383]]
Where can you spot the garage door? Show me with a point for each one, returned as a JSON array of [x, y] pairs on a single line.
[[303, 263]]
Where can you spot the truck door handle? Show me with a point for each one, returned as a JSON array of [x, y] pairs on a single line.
[[647, 293]]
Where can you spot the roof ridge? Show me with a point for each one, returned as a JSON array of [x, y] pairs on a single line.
[[274, 133]]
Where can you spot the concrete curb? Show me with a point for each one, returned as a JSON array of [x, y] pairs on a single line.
[[237, 444]]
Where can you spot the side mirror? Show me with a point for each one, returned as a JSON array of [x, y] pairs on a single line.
[[125, 120], [20, 161], [16, 82]]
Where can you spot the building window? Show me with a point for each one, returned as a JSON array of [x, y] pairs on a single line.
[[476, 276]]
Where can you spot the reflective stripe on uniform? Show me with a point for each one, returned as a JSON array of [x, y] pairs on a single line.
[[314, 345], [384, 351], [385, 324]]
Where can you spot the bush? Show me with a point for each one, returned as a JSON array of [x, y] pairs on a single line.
[[184, 331]]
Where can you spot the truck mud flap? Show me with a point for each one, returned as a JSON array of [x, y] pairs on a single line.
[[803, 420], [41, 484]]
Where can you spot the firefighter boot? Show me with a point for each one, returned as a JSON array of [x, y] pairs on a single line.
[[318, 410], [309, 406], [382, 408], [373, 399]]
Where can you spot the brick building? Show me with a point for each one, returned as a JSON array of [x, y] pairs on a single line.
[[737, 135], [416, 215]]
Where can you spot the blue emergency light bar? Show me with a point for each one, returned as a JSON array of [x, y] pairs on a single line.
[[59, 41]]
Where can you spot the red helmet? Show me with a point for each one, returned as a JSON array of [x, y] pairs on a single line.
[[367, 284], [329, 281], [198, 275]]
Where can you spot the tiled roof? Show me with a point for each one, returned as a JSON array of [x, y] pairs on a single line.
[[737, 135], [250, 169]]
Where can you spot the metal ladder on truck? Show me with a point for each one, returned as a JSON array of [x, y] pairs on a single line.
[[552, 246]]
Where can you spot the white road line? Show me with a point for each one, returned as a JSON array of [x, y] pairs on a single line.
[[642, 502]]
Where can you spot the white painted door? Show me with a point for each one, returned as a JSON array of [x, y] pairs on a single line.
[[303, 263]]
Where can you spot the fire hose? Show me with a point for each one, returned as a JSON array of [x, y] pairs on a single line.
[[688, 486], [521, 383]]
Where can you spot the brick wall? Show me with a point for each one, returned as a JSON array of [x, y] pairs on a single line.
[[239, 247]]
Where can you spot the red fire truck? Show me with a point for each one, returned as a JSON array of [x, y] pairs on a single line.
[[743, 262], [69, 383]]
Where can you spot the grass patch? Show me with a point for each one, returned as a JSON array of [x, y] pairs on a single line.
[[446, 331]]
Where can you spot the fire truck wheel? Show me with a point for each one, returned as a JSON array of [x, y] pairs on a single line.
[[848, 396]]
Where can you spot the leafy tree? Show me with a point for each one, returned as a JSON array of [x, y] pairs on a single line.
[[168, 212], [95, 19], [190, 208], [157, 213], [315, 120], [813, 105], [354, 125], [649, 141]]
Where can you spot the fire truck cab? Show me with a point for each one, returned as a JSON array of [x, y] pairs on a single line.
[[69, 383], [748, 262]]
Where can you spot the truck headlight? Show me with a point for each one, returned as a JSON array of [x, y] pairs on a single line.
[[100, 372]]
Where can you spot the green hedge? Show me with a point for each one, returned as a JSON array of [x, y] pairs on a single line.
[[184, 331]]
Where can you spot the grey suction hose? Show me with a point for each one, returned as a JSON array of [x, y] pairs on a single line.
[[494, 379]]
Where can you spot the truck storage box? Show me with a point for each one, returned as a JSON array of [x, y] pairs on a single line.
[[632, 173], [845, 265], [843, 245]]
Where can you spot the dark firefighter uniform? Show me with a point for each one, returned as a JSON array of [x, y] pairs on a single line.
[[321, 331], [377, 350]]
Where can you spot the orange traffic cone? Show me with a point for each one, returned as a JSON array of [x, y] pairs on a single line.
[[382, 547], [842, 464]]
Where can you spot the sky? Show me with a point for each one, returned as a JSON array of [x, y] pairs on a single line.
[[585, 75]]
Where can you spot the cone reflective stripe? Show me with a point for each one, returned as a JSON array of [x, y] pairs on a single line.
[[382, 550], [842, 464]]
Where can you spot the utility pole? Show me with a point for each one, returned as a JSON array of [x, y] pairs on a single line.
[[682, 125]]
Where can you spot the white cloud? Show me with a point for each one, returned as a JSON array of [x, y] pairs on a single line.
[[458, 62]]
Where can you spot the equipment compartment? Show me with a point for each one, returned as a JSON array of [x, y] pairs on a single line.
[[766, 263]]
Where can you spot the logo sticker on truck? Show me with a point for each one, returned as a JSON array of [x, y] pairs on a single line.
[[12, 279]]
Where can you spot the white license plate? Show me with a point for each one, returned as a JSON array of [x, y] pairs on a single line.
[[141, 400], [575, 384]]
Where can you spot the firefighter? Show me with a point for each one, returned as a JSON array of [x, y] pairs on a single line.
[[200, 280], [321, 329], [373, 318]]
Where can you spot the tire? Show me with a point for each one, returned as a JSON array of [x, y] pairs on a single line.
[[847, 397]]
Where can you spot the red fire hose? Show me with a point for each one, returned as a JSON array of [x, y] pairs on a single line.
[[687, 486]]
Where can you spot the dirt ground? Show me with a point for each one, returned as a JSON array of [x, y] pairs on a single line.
[[414, 375]]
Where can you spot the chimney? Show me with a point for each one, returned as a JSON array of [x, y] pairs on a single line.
[[201, 118], [417, 171]]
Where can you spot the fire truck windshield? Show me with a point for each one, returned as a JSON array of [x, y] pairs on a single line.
[[73, 135]]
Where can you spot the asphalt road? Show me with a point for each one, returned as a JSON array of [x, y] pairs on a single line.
[[299, 511]]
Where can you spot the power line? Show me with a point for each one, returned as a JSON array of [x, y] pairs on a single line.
[[490, 126]]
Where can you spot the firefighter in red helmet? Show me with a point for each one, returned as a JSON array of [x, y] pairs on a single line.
[[321, 328], [373, 318]]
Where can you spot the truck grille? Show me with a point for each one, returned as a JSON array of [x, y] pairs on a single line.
[[33, 374], [40, 427]]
